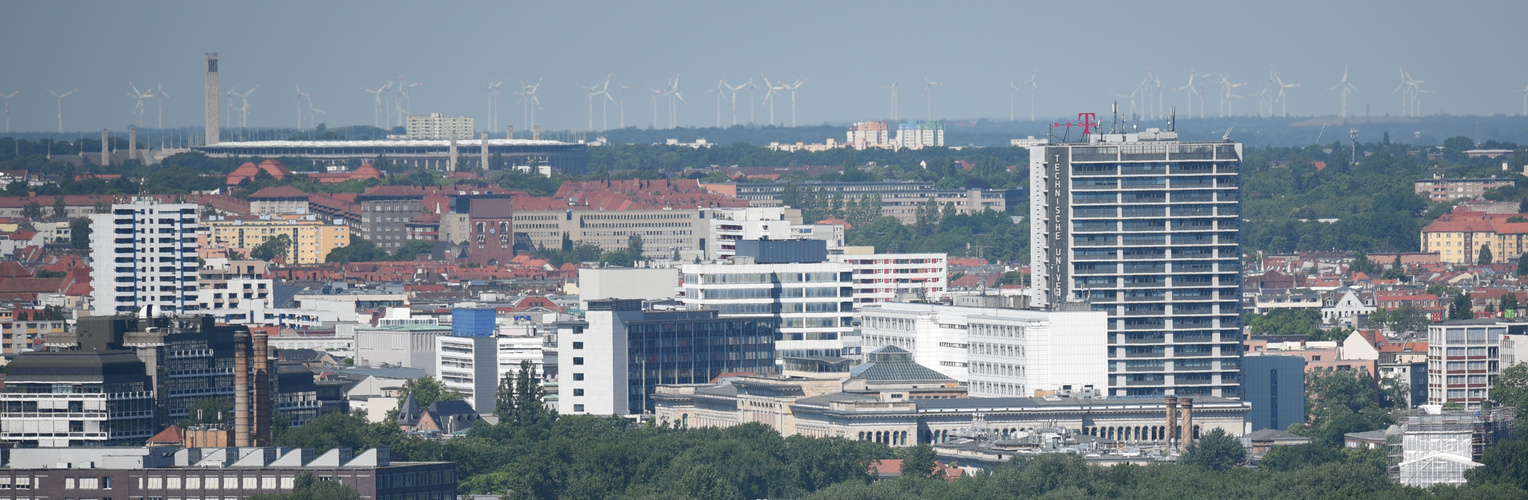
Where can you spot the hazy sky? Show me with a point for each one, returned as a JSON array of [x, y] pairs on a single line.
[[1470, 53]]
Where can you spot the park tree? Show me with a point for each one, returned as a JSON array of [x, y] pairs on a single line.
[[530, 396], [1215, 450], [918, 461], [427, 391], [32, 210]]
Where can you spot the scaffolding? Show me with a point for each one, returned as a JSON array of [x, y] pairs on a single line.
[[1435, 446]]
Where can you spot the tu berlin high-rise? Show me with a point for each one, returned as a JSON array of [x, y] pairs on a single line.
[[1146, 228]]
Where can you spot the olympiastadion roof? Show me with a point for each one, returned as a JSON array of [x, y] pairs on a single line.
[[564, 156]]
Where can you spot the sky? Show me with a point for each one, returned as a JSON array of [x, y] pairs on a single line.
[[1083, 54]]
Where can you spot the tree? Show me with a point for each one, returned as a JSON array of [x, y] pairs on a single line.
[[1462, 308], [504, 401], [32, 210], [1504, 463], [1215, 450], [79, 234], [413, 248], [308, 487], [918, 461], [427, 391], [59, 209], [1361, 264], [1511, 388], [358, 250], [634, 247], [277, 247], [530, 396], [206, 411], [1509, 303], [1522, 265], [1288, 458], [567, 242], [1485, 255], [1396, 270]]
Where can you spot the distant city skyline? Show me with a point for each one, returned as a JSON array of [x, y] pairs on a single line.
[[1082, 56]]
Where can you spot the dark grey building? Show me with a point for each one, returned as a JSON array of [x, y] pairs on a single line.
[[1275, 385], [165, 472], [80, 398], [386, 212]]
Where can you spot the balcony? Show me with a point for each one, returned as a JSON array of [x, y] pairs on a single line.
[[1144, 355]]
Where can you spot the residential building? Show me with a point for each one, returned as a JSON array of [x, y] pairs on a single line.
[[900, 199], [143, 257], [1458, 236], [1275, 385], [278, 200], [236, 292], [1265, 302], [610, 363], [385, 213], [812, 302], [883, 277], [1439, 189], [729, 226], [439, 126], [1463, 360], [870, 134], [995, 352], [312, 237], [165, 472], [1147, 229], [1346, 308], [918, 134]]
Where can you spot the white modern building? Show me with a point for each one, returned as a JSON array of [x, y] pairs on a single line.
[[813, 301], [409, 346], [469, 365], [236, 292], [627, 283], [1147, 229], [321, 309], [729, 226], [997, 352], [439, 126], [920, 134], [143, 255], [881, 277], [1463, 360]]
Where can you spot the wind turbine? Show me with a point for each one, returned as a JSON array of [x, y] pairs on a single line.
[[769, 94], [1029, 86], [1281, 98], [1192, 74], [304, 95], [140, 96], [244, 109], [228, 118], [751, 87], [792, 88], [159, 96], [493, 102], [604, 108], [528, 96], [675, 97], [1344, 88], [928, 91], [13, 94], [590, 93], [8, 107], [403, 102], [376, 112], [1265, 99], [1226, 88], [60, 107], [656, 94], [894, 105], [620, 102], [734, 90], [721, 87]]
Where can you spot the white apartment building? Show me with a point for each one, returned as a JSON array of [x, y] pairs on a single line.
[[919, 134], [236, 292], [143, 254], [439, 126], [880, 277], [814, 301], [469, 365], [1463, 360], [729, 226], [872, 134], [997, 352]]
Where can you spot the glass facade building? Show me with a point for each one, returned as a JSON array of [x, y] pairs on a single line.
[[1146, 228]]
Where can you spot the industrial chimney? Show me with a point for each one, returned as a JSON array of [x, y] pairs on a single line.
[[1172, 420], [241, 388], [483, 155], [536, 133], [509, 131], [132, 143], [105, 155], [1188, 423], [262, 396], [212, 99], [451, 155]]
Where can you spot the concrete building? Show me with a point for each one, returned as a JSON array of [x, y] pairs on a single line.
[[883, 277], [165, 472], [411, 346], [562, 157], [995, 352], [1146, 228], [143, 258], [812, 302], [312, 237], [1463, 360], [278, 200], [467, 361], [611, 362], [1275, 385], [327, 309], [1439, 189], [1437, 446], [236, 292], [871, 134], [900, 199], [627, 283], [77, 399], [385, 213], [439, 126], [663, 231]]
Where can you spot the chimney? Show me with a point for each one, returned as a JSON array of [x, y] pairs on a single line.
[[1172, 420], [211, 103], [451, 156], [132, 143], [105, 157], [483, 155], [1188, 423], [536, 133], [262, 403], [241, 388]]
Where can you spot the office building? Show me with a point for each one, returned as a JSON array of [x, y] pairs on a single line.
[[409, 346], [1463, 360], [883, 277], [1275, 385], [996, 352], [312, 237], [1147, 229], [165, 472], [467, 361], [77, 399], [813, 301], [143, 258], [236, 292], [611, 362], [439, 126]]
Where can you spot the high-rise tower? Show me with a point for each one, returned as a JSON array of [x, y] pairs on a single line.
[[1146, 228], [212, 98], [144, 259]]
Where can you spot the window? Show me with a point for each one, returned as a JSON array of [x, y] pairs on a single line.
[[578, 361], [578, 392], [578, 345], [578, 408], [578, 376]]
